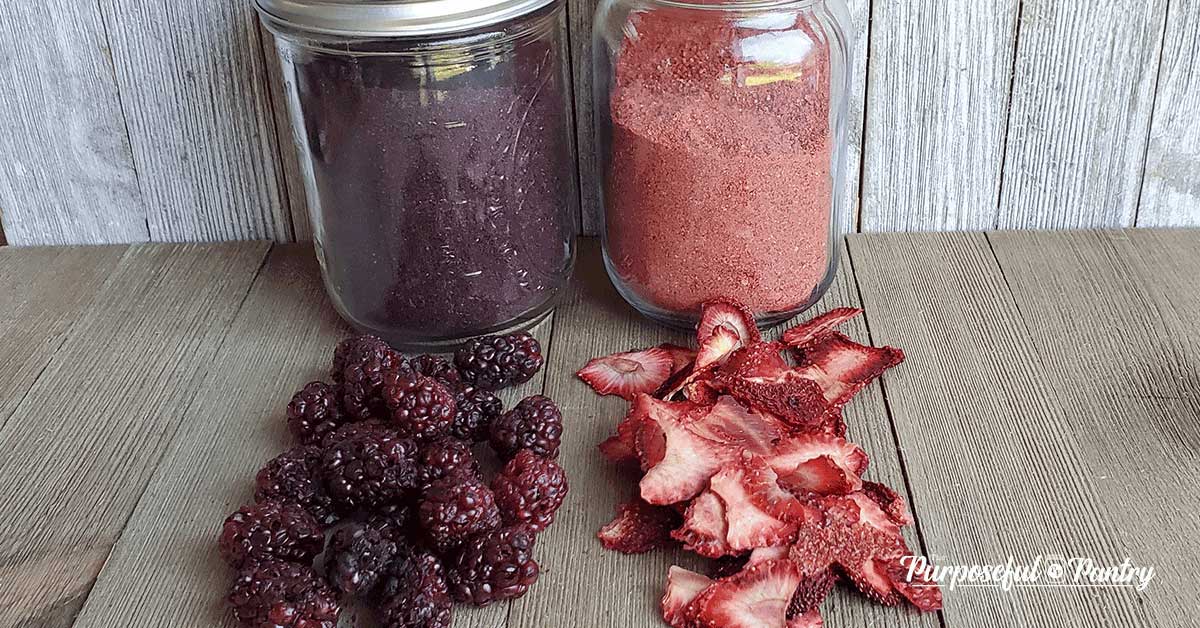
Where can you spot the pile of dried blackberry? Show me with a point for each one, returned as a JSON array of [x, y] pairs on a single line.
[[383, 490]]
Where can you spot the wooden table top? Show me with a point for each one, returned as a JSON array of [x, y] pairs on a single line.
[[1050, 405]]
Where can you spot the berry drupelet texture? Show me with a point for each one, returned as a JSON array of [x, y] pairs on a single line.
[[413, 592], [271, 530], [356, 558], [475, 409], [438, 368], [530, 490], [295, 477], [314, 412], [443, 458], [278, 594], [370, 470], [535, 424], [419, 406], [456, 508], [496, 362], [359, 366], [494, 566]]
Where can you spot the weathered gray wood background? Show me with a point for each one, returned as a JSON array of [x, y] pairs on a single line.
[[124, 121]]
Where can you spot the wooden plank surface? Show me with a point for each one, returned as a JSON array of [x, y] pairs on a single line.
[[84, 441], [38, 310], [67, 174], [282, 338], [1171, 183], [998, 467], [202, 130], [581, 581], [1136, 403], [1083, 90], [937, 101]]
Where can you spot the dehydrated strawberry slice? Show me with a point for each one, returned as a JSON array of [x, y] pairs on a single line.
[[798, 401], [638, 528], [682, 358], [920, 592], [628, 374], [622, 448], [843, 367], [677, 461], [890, 501], [819, 463], [763, 487], [717, 347], [683, 587], [803, 334], [705, 527], [731, 314], [812, 591], [811, 619], [764, 554], [750, 525], [732, 424], [693, 382], [758, 597], [761, 361]]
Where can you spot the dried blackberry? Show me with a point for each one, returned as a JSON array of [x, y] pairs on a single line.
[[530, 490], [278, 594], [443, 458], [351, 430], [475, 409], [271, 530], [535, 424], [496, 362], [438, 368], [413, 592], [419, 407], [294, 477], [356, 558], [494, 566], [359, 366], [397, 523], [455, 509], [370, 470], [314, 412]]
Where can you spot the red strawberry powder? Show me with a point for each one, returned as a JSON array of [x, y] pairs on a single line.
[[720, 180]]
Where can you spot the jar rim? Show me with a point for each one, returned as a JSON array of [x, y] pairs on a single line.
[[734, 5], [392, 18]]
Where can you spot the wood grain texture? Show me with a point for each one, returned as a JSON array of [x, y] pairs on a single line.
[[83, 443], [997, 463], [38, 310], [582, 584], [937, 101], [1171, 180], [1135, 403], [1083, 90], [282, 338], [194, 88], [67, 174], [579, 36]]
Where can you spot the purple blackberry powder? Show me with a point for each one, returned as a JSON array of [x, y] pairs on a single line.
[[444, 180]]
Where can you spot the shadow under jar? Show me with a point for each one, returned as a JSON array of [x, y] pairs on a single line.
[[721, 131], [435, 146]]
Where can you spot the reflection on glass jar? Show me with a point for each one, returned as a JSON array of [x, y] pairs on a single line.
[[436, 152], [721, 127]]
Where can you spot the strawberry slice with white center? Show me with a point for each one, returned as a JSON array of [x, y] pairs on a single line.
[[705, 527], [811, 619], [731, 314], [678, 462], [757, 597], [843, 367], [628, 374], [732, 424], [819, 463], [638, 528], [683, 587], [803, 334], [681, 357], [750, 526]]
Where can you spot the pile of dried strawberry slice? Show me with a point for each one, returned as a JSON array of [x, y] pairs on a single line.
[[741, 443]]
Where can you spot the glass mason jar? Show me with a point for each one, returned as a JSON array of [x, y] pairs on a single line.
[[721, 131], [435, 145]]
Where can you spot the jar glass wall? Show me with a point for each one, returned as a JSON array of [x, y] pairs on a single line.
[[721, 127], [439, 172]]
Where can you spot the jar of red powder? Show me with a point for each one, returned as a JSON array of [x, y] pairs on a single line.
[[435, 144], [721, 130]]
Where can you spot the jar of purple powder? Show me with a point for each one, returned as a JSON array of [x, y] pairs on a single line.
[[435, 144]]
